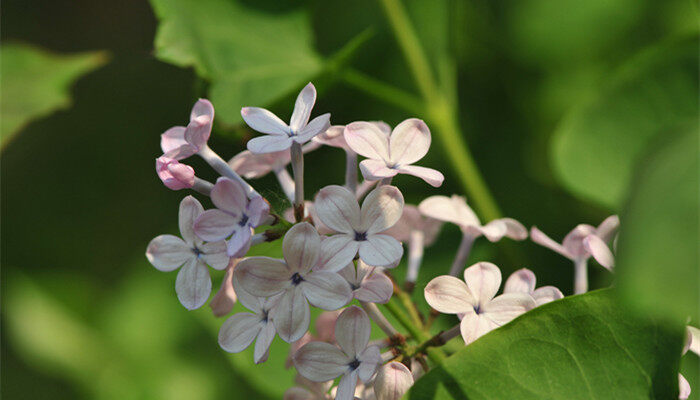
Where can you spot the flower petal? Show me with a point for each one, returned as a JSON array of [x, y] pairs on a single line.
[[483, 279], [167, 252], [269, 144], [228, 195], [250, 165], [368, 140], [190, 209], [258, 208], [431, 176], [381, 209], [607, 229], [325, 326], [202, 107], [201, 121], [223, 301], [473, 326], [239, 243], [449, 209], [505, 307], [333, 137], [683, 388], [375, 288], [214, 225], [337, 251], [546, 294], [262, 344], [409, 141], [172, 139], [393, 381], [347, 386], [263, 276], [370, 359], [320, 362], [291, 315], [600, 251], [449, 295], [193, 284], [301, 247], [317, 125], [381, 251], [374, 170], [493, 231], [214, 254], [326, 290], [522, 281], [514, 229], [264, 121], [352, 330], [573, 241], [302, 107], [542, 239], [239, 331], [253, 303], [175, 176], [337, 208]]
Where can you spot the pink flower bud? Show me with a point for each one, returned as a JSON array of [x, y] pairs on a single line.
[[392, 382], [174, 175], [225, 298]]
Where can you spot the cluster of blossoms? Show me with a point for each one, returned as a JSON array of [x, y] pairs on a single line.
[[338, 249]]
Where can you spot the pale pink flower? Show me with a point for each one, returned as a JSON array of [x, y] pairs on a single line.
[[413, 221], [359, 228], [596, 247], [524, 280], [251, 166], [684, 388], [295, 280], [368, 283], [235, 217], [572, 246], [389, 155], [692, 343], [174, 175], [335, 135], [240, 330], [180, 142], [476, 299], [223, 301], [169, 252], [280, 136], [321, 362], [455, 210], [393, 381]]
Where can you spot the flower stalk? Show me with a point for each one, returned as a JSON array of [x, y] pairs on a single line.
[[298, 170]]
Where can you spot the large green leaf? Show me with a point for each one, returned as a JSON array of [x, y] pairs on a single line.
[[582, 347], [250, 57], [658, 261], [597, 144], [36, 83]]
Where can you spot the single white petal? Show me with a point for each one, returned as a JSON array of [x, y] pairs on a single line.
[[607, 229], [338, 209], [257, 210], [193, 284], [214, 225], [264, 121], [369, 359], [352, 330], [249, 301], [326, 290], [350, 275], [522, 280], [239, 331], [431, 176], [320, 362], [546, 294], [381, 251], [683, 388], [368, 140], [302, 107], [301, 247], [505, 307], [542, 239], [393, 381], [249, 165], [263, 276], [514, 229], [172, 139], [473, 326], [333, 137], [214, 254], [228, 195], [168, 252], [409, 141], [269, 144], [263, 342], [449, 295], [347, 386], [375, 288], [317, 125], [573, 241], [374, 170], [600, 251], [291, 315], [239, 243], [493, 231], [381, 209], [694, 339], [337, 251], [483, 279], [190, 209], [449, 209]]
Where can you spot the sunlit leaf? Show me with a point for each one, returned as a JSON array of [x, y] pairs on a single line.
[[582, 347], [36, 83]]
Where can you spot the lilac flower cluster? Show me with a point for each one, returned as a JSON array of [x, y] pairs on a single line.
[[338, 248]]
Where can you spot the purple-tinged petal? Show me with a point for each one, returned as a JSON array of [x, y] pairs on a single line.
[[326, 290], [514, 229], [393, 381], [201, 121], [381, 251], [250, 166], [607, 229], [347, 386], [521, 281], [381, 209], [264, 121], [263, 342], [483, 280], [431, 176], [449, 295], [573, 241], [291, 316], [239, 331], [505, 307], [228, 195], [337, 251], [253, 303], [374, 170], [368, 140], [338, 209], [320, 362], [175, 176], [301, 247], [473, 326], [269, 144], [202, 107], [214, 254], [317, 125], [333, 137], [193, 284], [542, 239], [600, 251], [375, 288], [325, 326], [223, 301], [189, 210], [168, 252], [493, 231], [214, 225], [239, 243], [383, 127], [352, 330], [257, 210], [409, 141], [546, 294], [302, 107], [683, 388], [263, 276], [449, 209], [172, 139], [369, 359]]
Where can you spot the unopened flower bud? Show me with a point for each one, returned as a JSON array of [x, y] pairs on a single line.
[[392, 382]]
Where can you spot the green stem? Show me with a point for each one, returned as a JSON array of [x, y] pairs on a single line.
[[435, 354], [383, 91]]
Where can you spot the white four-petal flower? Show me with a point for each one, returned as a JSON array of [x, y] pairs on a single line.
[[321, 362], [524, 280], [572, 247], [476, 300], [359, 228], [394, 153], [280, 136], [294, 278], [168, 252]]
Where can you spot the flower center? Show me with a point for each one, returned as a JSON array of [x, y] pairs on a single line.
[[360, 236], [264, 316], [354, 364], [197, 252], [297, 279], [243, 221]]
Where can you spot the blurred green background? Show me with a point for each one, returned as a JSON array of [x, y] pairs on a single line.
[[560, 101]]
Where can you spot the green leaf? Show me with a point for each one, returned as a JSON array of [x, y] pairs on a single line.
[[36, 83], [658, 261], [581, 347], [250, 57], [596, 145]]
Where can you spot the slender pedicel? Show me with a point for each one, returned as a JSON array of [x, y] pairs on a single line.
[[286, 182], [580, 276], [463, 251], [202, 186], [351, 170], [298, 170], [415, 258], [222, 167]]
